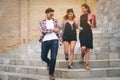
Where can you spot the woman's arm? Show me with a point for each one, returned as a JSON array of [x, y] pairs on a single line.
[[91, 23], [57, 31], [92, 20]]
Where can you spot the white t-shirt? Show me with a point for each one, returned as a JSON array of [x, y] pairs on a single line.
[[50, 36]]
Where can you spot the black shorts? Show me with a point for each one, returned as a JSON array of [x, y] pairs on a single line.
[[69, 39]]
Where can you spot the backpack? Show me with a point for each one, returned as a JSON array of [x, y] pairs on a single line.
[[90, 17]]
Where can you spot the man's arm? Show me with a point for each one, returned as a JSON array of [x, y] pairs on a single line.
[[43, 28]]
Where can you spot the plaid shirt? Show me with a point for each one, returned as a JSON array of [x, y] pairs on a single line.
[[45, 31]]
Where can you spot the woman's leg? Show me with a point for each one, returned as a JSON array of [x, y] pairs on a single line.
[[83, 51], [72, 47], [66, 49], [87, 59]]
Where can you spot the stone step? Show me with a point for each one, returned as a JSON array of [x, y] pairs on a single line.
[[97, 44], [94, 56], [36, 49], [115, 49], [61, 56], [60, 63], [93, 64], [96, 30], [65, 72], [96, 49], [19, 76], [115, 44], [102, 35], [106, 39], [81, 73], [106, 43], [76, 57], [101, 49]]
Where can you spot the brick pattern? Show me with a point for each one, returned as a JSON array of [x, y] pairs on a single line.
[[37, 9], [9, 24], [19, 19]]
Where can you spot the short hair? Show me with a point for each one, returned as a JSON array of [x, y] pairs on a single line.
[[48, 10]]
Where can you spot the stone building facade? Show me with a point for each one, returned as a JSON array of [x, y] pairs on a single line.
[[19, 34], [108, 18]]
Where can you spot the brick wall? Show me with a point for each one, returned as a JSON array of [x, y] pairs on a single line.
[[19, 19], [37, 8], [9, 24]]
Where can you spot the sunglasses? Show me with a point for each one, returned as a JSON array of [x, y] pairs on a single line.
[[51, 14]]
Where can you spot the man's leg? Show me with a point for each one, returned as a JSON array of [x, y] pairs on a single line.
[[44, 52], [54, 51]]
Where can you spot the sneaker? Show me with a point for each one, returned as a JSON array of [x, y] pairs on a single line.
[[66, 57], [69, 66]]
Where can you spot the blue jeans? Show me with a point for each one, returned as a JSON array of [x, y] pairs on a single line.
[[51, 45]]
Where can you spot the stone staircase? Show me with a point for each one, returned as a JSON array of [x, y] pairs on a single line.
[[24, 63]]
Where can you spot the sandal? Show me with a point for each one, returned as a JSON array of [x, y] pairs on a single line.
[[87, 67]]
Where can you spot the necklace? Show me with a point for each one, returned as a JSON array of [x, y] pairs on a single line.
[[72, 27]]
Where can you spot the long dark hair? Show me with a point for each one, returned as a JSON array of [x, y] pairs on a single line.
[[69, 11], [87, 7]]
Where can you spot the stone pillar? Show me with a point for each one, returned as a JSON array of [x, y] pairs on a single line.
[[24, 21]]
